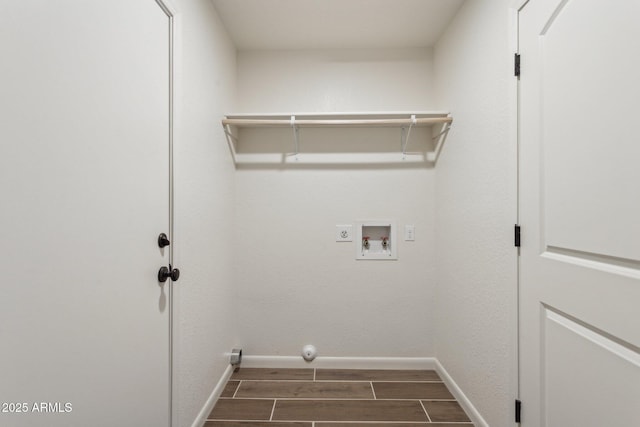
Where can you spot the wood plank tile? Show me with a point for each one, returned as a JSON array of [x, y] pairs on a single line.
[[376, 375], [255, 424], [230, 388], [409, 390], [242, 409], [272, 374], [305, 389], [387, 424], [348, 410], [445, 411]]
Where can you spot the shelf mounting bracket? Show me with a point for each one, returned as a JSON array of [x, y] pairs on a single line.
[[405, 140], [231, 140], [439, 138], [295, 137]]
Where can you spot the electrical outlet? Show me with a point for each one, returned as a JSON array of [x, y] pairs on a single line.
[[344, 233]]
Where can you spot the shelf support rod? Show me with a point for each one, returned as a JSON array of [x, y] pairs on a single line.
[[406, 139], [446, 129], [440, 137], [295, 136], [231, 140], [227, 130]]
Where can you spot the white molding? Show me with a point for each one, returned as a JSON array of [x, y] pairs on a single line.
[[340, 362], [462, 399], [514, 154], [213, 398], [517, 4], [173, 15], [167, 7]]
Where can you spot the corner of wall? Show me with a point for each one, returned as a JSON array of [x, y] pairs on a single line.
[[476, 209], [204, 197]]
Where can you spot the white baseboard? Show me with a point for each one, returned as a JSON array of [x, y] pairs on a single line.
[[346, 363], [213, 398], [340, 362], [462, 399]]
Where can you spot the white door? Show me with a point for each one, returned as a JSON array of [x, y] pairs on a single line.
[[84, 190], [580, 213]]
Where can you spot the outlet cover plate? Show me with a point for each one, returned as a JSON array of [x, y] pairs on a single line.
[[344, 233], [410, 233]]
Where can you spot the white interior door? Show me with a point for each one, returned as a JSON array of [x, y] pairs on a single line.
[[84, 184], [580, 213]]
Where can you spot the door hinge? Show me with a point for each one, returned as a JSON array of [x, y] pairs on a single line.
[[516, 65], [516, 236], [518, 410]]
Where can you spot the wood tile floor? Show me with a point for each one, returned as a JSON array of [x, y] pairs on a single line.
[[256, 397]]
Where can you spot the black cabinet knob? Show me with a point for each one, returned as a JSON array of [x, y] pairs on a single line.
[[166, 272], [163, 240]]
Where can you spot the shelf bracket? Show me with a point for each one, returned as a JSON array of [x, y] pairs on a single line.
[[440, 138], [295, 137], [405, 140], [231, 140], [227, 130]]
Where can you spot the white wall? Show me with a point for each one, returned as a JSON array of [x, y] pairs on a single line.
[[335, 80], [293, 283], [475, 205], [260, 265], [204, 195], [296, 285]]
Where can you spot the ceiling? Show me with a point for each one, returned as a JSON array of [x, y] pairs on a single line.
[[335, 24]]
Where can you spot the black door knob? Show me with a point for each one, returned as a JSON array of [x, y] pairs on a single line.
[[166, 272], [163, 240]]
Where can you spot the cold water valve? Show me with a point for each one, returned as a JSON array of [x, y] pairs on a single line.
[[385, 243]]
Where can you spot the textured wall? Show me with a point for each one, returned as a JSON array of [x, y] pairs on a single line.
[[335, 80], [204, 197], [296, 285], [476, 205], [293, 283]]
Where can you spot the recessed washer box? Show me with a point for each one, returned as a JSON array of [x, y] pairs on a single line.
[[376, 240]]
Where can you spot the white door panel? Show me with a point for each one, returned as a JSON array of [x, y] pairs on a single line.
[[579, 209], [605, 373], [84, 178], [589, 145]]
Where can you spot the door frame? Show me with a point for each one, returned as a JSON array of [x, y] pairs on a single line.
[[515, 8], [173, 19]]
